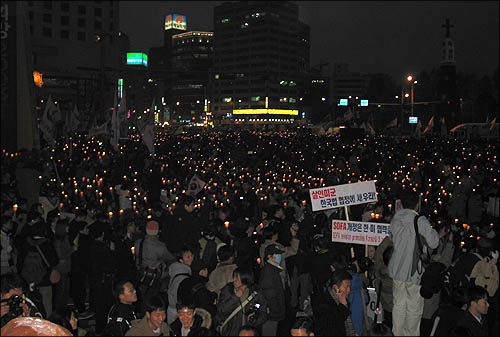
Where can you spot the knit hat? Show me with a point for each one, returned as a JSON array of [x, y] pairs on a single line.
[[152, 227]]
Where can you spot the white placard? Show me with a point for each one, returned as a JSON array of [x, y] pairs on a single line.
[[364, 233], [343, 195]]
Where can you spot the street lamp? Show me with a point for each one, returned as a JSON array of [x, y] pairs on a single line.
[[410, 79]]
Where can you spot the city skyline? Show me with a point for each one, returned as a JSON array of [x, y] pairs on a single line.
[[372, 37]]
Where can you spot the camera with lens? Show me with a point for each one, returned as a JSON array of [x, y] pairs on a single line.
[[15, 308], [253, 312]]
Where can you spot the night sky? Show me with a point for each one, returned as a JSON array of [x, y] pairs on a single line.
[[395, 37]]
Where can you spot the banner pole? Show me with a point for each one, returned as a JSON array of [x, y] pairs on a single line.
[[346, 210]]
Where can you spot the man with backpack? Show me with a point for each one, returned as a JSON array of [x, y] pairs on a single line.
[[152, 259], [405, 268]]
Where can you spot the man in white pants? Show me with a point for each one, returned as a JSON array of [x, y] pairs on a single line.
[[405, 269]]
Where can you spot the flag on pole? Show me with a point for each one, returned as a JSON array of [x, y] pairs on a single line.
[[492, 124], [418, 129], [429, 125], [46, 125], [443, 126], [392, 123], [147, 129], [371, 130], [349, 114], [195, 186], [115, 125], [99, 130]]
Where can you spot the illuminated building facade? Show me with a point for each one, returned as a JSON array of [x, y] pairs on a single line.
[[78, 48], [261, 59], [192, 57]]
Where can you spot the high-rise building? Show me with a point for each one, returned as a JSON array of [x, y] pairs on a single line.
[[192, 56], [261, 60], [78, 48]]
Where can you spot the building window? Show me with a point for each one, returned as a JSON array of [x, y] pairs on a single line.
[[30, 3], [97, 24], [81, 36], [65, 34], [47, 18], [111, 26], [65, 20], [82, 10], [47, 4], [81, 22], [111, 14], [98, 11], [31, 15], [65, 6], [47, 32], [32, 31]]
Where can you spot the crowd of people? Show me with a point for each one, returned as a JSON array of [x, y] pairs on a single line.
[[214, 235]]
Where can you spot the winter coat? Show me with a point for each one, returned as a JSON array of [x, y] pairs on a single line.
[[272, 288], [140, 327], [176, 268], [444, 255], [103, 265], [184, 230], [120, 318], [404, 240], [329, 316], [222, 275], [289, 251], [64, 251], [155, 254], [473, 327], [228, 302], [202, 320], [449, 315]]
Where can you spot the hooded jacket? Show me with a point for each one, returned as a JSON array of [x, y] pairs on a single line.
[[202, 320], [404, 240], [175, 269], [222, 275], [155, 254]]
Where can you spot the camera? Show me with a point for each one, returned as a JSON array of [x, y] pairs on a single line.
[[14, 302], [252, 312]]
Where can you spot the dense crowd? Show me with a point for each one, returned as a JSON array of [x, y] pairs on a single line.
[[214, 233]]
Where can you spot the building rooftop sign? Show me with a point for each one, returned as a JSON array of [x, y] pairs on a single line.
[[175, 21], [137, 59]]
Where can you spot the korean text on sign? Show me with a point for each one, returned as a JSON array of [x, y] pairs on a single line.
[[343, 195]]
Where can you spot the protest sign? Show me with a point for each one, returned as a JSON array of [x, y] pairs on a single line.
[[365, 233], [342, 195]]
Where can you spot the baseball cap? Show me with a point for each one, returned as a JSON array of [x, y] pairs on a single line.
[[272, 249], [152, 227]]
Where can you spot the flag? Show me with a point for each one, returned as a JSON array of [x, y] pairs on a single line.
[[147, 128], [492, 124], [195, 186], [371, 130], [71, 122], [392, 123], [99, 130], [429, 125], [115, 125], [418, 129], [443, 126], [348, 115], [46, 125]]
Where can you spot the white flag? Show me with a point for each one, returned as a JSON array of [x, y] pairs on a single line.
[[418, 129], [371, 130], [195, 186], [115, 125], [348, 115], [46, 125], [147, 128]]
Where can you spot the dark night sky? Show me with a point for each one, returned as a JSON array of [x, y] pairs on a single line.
[[395, 37]]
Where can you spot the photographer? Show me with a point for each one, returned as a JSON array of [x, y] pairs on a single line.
[[14, 302], [240, 303], [443, 254]]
